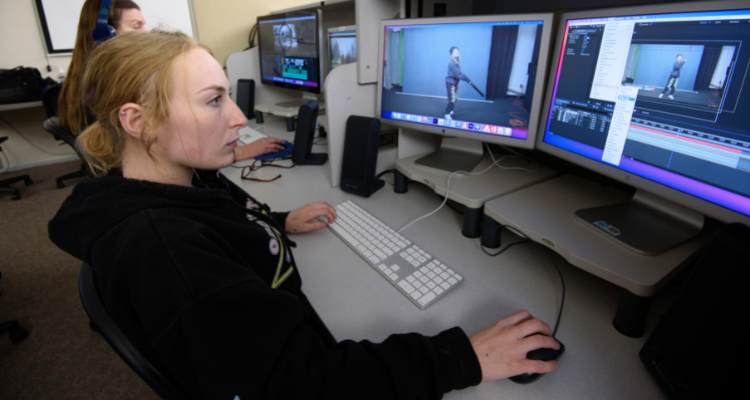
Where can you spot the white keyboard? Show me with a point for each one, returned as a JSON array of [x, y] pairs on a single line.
[[249, 135], [415, 273]]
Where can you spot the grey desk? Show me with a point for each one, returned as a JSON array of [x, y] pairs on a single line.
[[357, 303]]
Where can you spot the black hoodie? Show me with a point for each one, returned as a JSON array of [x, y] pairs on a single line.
[[203, 281]]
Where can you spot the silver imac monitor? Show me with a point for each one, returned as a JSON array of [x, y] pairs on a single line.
[[659, 100], [479, 78], [342, 46], [290, 46]]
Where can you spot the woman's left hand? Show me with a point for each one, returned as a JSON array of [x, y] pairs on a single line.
[[299, 220]]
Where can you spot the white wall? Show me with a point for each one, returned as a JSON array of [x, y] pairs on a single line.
[[519, 73], [21, 41]]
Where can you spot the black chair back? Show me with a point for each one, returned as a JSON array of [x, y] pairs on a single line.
[[94, 307], [52, 125], [49, 99]]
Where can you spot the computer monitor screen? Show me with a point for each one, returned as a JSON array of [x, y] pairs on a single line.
[[289, 46], [475, 77], [342, 46], [660, 96]]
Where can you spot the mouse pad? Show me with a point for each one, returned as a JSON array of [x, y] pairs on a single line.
[[283, 153]]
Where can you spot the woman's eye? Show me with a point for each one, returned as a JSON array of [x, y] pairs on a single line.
[[215, 101]]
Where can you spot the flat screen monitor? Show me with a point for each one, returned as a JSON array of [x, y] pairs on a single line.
[[479, 77], [290, 50], [342, 46], [659, 100]]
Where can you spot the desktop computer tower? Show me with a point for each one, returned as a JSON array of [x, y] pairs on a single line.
[[246, 97], [699, 348]]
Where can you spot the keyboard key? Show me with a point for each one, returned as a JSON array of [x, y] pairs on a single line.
[[415, 263], [415, 294], [374, 260], [452, 281], [421, 259], [424, 279], [417, 284], [424, 289], [438, 280], [344, 234], [445, 285], [431, 275], [366, 253], [382, 267], [424, 270], [406, 286], [395, 267], [393, 277], [379, 253], [430, 284], [387, 271], [417, 274], [426, 298], [409, 278], [438, 290], [457, 276], [445, 275]]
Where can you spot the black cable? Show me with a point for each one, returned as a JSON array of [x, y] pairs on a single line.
[[543, 250], [503, 249], [253, 32], [384, 172]]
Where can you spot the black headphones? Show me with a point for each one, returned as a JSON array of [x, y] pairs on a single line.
[[102, 30]]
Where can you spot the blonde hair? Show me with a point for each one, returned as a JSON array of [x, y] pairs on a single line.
[[132, 68]]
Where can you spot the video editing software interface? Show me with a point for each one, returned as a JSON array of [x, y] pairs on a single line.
[[665, 97], [486, 86], [342, 48], [289, 49]]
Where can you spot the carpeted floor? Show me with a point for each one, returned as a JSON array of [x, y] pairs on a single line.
[[62, 358]]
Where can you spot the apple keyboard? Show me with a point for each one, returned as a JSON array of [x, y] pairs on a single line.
[[249, 135], [415, 273]]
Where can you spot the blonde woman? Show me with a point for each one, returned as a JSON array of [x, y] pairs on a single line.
[[451, 80], [201, 276]]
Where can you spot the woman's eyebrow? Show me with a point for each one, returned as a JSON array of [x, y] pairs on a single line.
[[217, 88]]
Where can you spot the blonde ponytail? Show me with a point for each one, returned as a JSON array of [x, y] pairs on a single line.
[[100, 148]]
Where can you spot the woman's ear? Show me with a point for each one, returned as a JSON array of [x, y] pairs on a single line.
[[133, 120]]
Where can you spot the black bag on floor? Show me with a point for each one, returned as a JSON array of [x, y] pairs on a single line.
[[20, 85]]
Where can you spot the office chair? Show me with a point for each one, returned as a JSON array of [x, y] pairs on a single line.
[[52, 125], [16, 332], [16, 194], [102, 322]]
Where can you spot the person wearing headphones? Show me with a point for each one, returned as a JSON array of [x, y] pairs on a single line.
[[202, 277], [124, 16]]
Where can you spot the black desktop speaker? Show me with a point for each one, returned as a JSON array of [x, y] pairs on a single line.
[[699, 348], [361, 156], [246, 97], [303, 138]]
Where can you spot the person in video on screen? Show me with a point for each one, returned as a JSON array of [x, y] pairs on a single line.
[[451, 80], [201, 276], [124, 16], [674, 76]]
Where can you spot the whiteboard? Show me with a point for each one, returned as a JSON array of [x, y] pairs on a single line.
[[59, 19]]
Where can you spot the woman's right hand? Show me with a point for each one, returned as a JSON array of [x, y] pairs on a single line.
[[258, 148], [502, 347]]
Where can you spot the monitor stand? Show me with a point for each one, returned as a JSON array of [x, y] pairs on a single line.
[[287, 109], [472, 191], [647, 224], [545, 213]]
